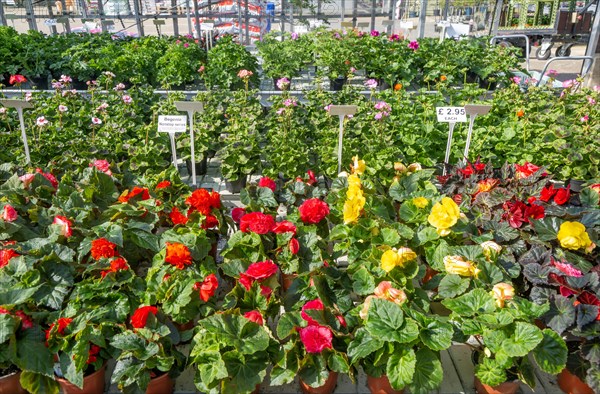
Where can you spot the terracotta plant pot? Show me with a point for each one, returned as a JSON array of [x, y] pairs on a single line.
[[504, 388], [161, 385], [10, 384], [381, 385], [571, 384], [92, 384], [327, 388]]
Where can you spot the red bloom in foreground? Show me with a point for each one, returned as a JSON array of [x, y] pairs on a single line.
[[261, 270], [140, 316], [265, 181], [596, 187], [590, 299], [208, 287], [237, 213], [17, 79], [246, 281], [136, 191], [311, 178], [6, 255], [203, 201], [26, 321], [547, 193], [294, 246], [211, 221], [102, 165], [163, 185], [63, 323], [177, 217], [9, 214], [118, 264], [178, 255], [51, 178], [103, 248], [284, 227], [562, 195], [92, 353], [514, 213], [314, 304], [254, 316], [526, 170], [257, 222], [313, 210], [316, 338], [65, 225], [534, 212], [467, 171]]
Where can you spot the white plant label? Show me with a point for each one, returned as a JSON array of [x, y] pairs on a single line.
[[50, 22], [451, 114], [172, 123]]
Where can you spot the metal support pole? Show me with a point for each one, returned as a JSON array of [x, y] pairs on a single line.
[[189, 18], [23, 134], [197, 18], [175, 12], [496, 18], [354, 12], [174, 150], [138, 17], [319, 6], [101, 15], [291, 17], [592, 43], [65, 15], [247, 21], [447, 7], [422, 18], [30, 15], [50, 12], [283, 4], [340, 140], [343, 10], [373, 9], [2, 15], [390, 27]]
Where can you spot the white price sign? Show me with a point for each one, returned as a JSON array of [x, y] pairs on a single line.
[[451, 114], [207, 26], [172, 123], [50, 22]]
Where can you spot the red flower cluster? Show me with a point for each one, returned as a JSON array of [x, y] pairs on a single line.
[[516, 213], [257, 222], [208, 287], [136, 191], [118, 264], [284, 227], [294, 246], [316, 304], [566, 290], [178, 255], [163, 185], [526, 170], [561, 195], [103, 248], [51, 178], [177, 217], [316, 338], [9, 214], [203, 201], [258, 272], [93, 353], [62, 323], [237, 213], [265, 181], [313, 210], [311, 178], [6, 255], [140, 316], [210, 221], [26, 321], [65, 225], [17, 79], [254, 316]]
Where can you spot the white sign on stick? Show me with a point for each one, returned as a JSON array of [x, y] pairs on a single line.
[[451, 114], [172, 123]]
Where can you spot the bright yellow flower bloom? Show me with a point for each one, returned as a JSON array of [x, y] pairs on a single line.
[[359, 166], [353, 192], [502, 292], [572, 235], [353, 208], [396, 258], [414, 167], [354, 181], [458, 266], [490, 249], [420, 202], [444, 215]]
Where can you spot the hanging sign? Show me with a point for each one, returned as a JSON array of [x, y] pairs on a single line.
[[451, 114]]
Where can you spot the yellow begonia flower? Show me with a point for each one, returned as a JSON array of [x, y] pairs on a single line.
[[353, 208], [572, 235], [458, 266], [502, 292], [490, 249], [354, 192], [396, 258], [444, 215], [359, 166], [354, 181], [420, 202]]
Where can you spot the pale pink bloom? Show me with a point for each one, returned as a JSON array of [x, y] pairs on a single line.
[[62, 108], [65, 225], [41, 121], [294, 36], [584, 119], [2, 110], [57, 85], [65, 79], [568, 83], [186, 45], [413, 45], [352, 70], [327, 107], [96, 120], [385, 291], [127, 99], [102, 107], [596, 88], [109, 74], [516, 80], [591, 100], [9, 214], [280, 111], [567, 269], [283, 83], [370, 84], [290, 102], [102, 165], [28, 96], [201, 69], [120, 86], [245, 74], [551, 73], [27, 179]]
